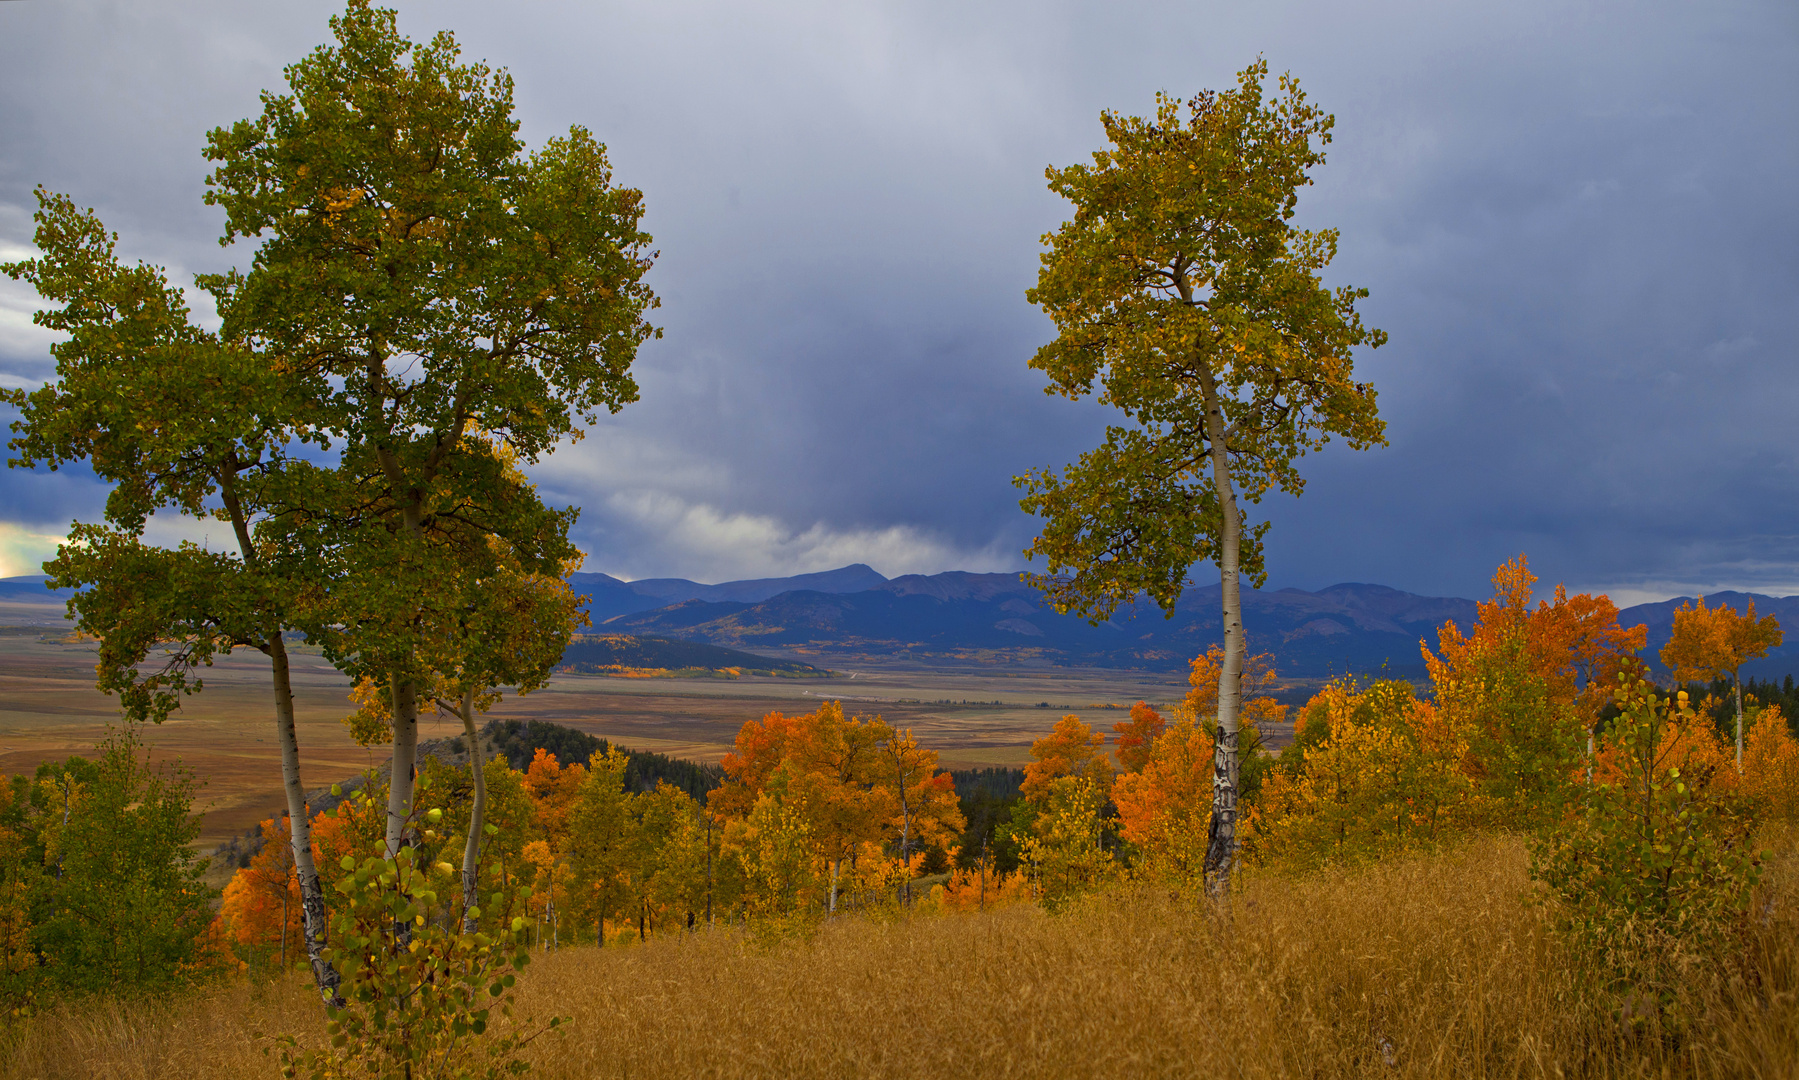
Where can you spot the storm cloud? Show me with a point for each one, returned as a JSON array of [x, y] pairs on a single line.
[[1574, 219]]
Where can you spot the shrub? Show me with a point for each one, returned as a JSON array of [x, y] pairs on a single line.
[[418, 993], [1654, 874]]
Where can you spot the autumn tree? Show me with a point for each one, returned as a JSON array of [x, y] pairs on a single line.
[[924, 798], [1385, 772], [1163, 802], [599, 841], [436, 279], [260, 906], [836, 763], [1529, 684], [1182, 289], [1133, 738], [1710, 643], [1070, 749]]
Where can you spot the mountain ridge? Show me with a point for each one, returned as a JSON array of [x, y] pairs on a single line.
[[1349, 627]]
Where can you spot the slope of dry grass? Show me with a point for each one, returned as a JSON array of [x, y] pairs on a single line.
[[1425, 967]]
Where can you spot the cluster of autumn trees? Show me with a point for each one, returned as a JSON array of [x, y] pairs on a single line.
[[820, 811], [825, 812], [1514, 733]]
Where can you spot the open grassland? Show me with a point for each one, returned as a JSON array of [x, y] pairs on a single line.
[[974, 716], [1426, 967]]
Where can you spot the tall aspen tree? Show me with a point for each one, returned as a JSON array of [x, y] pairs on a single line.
[[1181, 288]]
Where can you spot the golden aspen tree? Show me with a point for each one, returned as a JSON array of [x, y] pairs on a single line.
[[1710, 643], [925, 799], [1070, 749], [1134, 737]]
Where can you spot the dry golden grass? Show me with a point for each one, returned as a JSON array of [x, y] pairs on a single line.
[[1423, 967]]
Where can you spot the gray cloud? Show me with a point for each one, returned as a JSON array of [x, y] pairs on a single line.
[[1572, 218]]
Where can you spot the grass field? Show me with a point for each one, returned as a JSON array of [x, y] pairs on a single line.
[[1425, 967], [49, 709]]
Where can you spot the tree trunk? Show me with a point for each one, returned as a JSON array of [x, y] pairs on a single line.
[[983, 873], [299, 826], [1221, 839], [405, 761], [836, 865], [1738, 678], [312, 893], [905, 839], [477, 820]]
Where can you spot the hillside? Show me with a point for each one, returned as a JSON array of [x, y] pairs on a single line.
[[607, 596]]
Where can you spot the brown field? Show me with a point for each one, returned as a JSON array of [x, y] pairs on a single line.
[[49, 709], [1423, 967]]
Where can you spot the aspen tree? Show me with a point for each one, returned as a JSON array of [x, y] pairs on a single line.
[[182, 419], [1181, 288], [1709, 643], [435, 279]]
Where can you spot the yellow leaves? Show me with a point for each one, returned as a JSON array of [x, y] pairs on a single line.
[[1388, 777], [372, 722], [1071, 749], [338, 199]]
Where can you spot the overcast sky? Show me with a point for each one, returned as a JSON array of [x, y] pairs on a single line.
[[1576, 221]]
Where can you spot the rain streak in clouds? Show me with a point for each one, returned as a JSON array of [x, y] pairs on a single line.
[[1573, 220]]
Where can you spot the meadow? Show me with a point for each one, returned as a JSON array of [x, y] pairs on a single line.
[[49, 710], [1432, 965]]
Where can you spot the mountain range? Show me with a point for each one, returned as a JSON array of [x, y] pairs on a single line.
[[833, 616], [1347, 628]]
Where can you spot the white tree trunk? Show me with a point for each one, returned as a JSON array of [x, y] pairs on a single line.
[[477, 820], [1221, 839], [312, 893], [405, 762]]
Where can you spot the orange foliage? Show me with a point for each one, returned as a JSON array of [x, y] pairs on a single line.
[[261, 904], [1771, 763], [553, 788], [1528, 684], [1710, 643], [1256, 684], [1689, 744], [1573, 643], [1136, 736], [1071, 749], [968, 890], [1163, 807], [352, 828], [761, 747]]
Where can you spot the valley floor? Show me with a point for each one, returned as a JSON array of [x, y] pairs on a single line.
[[1422, 967]]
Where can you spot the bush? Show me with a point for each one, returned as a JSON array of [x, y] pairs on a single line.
[[1653, 876], [418, 994]]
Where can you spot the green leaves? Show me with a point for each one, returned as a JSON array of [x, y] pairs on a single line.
[[1656, 871], [418, 993], [1183, 298]]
